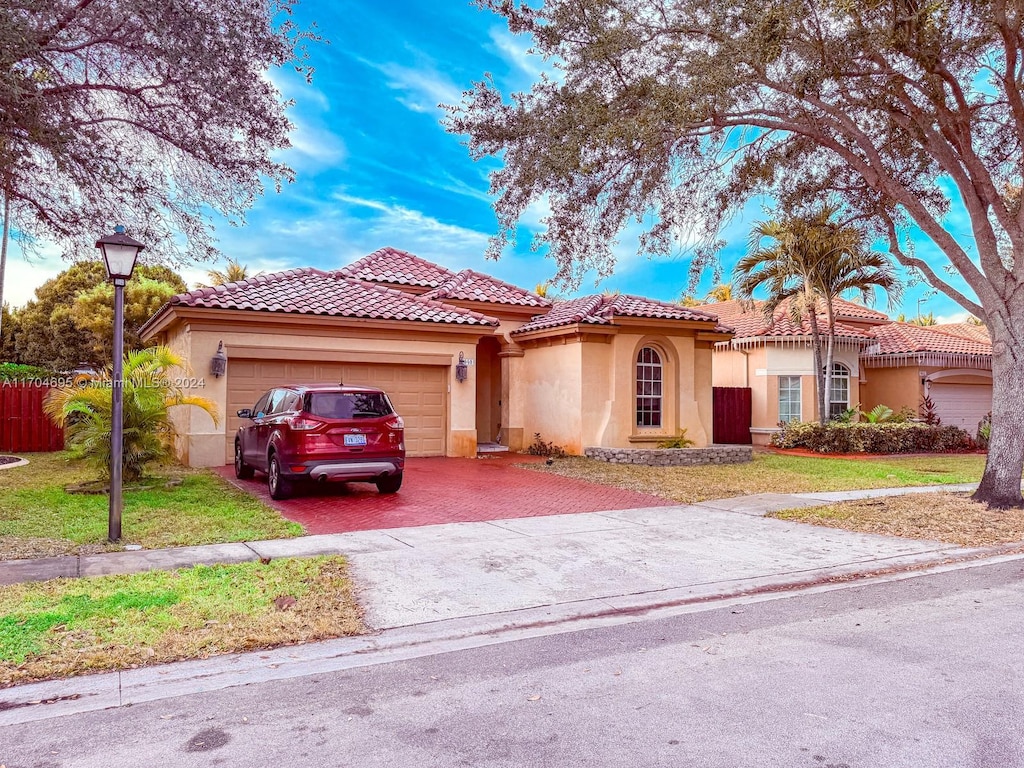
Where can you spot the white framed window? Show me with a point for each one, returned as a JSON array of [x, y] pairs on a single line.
[[840, 391], [649, 388], [789, 398]]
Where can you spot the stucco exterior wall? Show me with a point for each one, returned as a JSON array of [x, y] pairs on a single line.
[[894, 387], [579, 391], [551, 388], [202, 441]]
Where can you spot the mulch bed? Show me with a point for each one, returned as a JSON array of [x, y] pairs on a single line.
[[9, 459]]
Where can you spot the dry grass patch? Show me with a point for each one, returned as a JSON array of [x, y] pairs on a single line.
[[951, 517], [771, 473], [72, 626]]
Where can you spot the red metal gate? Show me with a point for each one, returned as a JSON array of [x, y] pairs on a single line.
[[24, 427], [731, 415]]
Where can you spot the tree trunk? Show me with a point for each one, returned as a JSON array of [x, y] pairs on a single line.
[[819, 378], [1000, 485], [3, 253], [830, 356]]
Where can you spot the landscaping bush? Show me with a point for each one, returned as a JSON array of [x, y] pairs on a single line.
[[539, 448], [679, 441], [18, 372], [883, 437], [148, 394]]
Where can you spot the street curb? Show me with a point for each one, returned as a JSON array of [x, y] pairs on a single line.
[[57, 698]]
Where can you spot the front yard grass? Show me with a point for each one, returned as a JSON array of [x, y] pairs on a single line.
[[38, 518], [772, 473], [950, 517], [72, 626]]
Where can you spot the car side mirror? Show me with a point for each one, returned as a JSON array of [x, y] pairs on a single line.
[[245, 413]]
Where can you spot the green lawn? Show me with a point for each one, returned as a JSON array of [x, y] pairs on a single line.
[[70, 626], [773, 473], [39, 518]]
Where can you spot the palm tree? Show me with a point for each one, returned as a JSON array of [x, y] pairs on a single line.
[[721, 292], [149, 393], [544, 290], [812, 262], [234, 273]]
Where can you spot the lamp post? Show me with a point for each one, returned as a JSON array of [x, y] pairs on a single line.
[[119, 255], [926, 296]]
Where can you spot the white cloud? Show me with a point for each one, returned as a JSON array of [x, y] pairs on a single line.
[[23, 275], [956, 317], [318, 144], [422, 87], [515, 51]]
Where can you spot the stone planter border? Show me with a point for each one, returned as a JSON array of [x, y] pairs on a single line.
[[673, 457]]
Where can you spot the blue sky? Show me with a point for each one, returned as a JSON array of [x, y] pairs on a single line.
[[374, 167]]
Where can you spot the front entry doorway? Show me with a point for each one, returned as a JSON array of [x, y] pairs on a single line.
[[488, 391]]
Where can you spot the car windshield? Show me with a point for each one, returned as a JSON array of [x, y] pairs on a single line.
[[349, 405]]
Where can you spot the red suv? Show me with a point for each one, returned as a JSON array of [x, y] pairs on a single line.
[[322, 432]]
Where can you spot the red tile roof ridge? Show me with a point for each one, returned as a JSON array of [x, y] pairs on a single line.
[[421, 299], [601, 309], [261, 279], [451, 287], [904, 338], [431, 274]]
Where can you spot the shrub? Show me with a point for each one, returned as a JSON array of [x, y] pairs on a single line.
[[541, 448], [984, 431], [929, 413], [679, 441], [883, 437], [18, 372], [147, 395]]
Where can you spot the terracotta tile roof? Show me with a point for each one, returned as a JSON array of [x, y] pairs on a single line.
[[602, 310], [965, 330], [748, 322], [390, 265], [904, 339], [468, 285], [313, 292], [854, 311]]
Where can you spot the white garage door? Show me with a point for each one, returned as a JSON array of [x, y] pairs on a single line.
[[962, 405], [418, 392]]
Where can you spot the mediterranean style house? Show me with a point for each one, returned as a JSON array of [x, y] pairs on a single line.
[[467, 359], [877, 362]]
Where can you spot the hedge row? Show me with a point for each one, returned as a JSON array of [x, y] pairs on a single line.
[[860, 437], [18, 372]]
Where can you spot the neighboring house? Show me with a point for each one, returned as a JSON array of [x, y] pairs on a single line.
[[610, 371], [877, 361], [951, 364]]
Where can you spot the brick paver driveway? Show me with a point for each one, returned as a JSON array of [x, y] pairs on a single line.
[[441, 490]]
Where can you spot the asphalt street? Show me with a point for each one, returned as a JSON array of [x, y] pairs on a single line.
[[920, 672]]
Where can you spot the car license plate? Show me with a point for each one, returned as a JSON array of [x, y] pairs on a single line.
[[355, 439]]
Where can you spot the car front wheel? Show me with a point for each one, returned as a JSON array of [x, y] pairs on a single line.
[[242, 470], [390, 484], [280, 488]]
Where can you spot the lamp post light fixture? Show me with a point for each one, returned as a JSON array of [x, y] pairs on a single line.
[[119, 255]]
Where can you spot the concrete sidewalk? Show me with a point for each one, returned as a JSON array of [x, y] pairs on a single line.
[[439, 588], [414, 574]]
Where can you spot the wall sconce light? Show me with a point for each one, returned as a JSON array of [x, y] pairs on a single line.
[[461, 369], [219, 362]]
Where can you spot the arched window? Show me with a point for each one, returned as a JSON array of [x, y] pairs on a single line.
[[649, 388], [840, 391]]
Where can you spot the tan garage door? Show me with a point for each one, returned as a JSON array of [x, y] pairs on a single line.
[[418, 392]]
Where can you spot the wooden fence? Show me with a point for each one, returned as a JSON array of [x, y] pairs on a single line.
[[24, 428], [731, 415]]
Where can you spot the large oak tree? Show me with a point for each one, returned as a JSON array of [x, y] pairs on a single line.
[[149, 114], [676, 113]]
